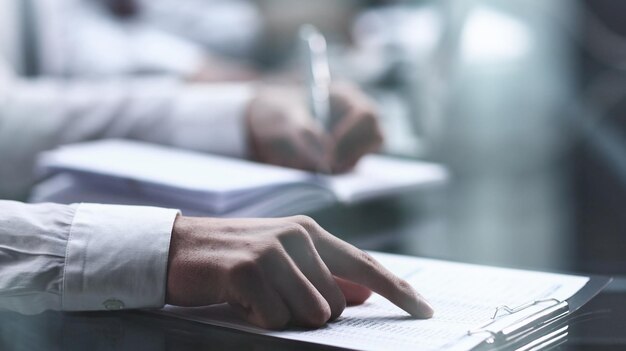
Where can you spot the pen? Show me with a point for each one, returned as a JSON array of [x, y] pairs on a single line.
[[318, 78]]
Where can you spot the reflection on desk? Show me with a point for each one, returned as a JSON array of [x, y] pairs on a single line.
[[600, 324], [134, 331]]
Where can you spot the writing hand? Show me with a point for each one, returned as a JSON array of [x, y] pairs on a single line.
[[283, 132]]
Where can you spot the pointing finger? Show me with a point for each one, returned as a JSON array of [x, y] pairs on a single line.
[[350, 263]]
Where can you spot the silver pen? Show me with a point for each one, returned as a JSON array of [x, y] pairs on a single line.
[[318, 77]]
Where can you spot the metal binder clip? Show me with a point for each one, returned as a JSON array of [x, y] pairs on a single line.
[[526, 324], [510, 310]]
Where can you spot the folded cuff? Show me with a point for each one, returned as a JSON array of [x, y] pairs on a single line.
[[117, 257]]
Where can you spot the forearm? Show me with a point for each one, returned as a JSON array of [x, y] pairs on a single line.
[[38, 116], [82, 257]]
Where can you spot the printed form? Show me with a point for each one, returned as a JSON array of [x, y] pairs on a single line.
[[464, 296]]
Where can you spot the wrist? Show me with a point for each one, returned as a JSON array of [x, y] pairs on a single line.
[[249, 116], [178, 230]]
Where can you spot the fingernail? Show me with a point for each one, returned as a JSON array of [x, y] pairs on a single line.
[[423, 309], [427, 309]]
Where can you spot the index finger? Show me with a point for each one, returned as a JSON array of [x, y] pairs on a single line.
[[350, 263]]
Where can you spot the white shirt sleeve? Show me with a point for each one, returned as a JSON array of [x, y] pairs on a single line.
[[41, 115], [204, 21], [83, 257], [82, 39]]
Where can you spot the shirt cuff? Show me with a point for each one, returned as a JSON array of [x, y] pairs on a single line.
[[117, 257], [211, 118]]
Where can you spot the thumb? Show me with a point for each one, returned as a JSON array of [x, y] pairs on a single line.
[[316, 149]]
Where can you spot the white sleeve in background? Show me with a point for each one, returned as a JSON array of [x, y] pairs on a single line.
[[230, 27], [225, 131], [83, 257], [82, 39], [39, 115]]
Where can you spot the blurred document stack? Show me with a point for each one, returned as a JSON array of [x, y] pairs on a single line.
[[124, 172]]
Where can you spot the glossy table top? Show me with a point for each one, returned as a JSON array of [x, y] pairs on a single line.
[[600, 325]]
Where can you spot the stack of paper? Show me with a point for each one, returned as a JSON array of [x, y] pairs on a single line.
[[127, 172]]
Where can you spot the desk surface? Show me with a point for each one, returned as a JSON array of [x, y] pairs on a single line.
[[600, 325]]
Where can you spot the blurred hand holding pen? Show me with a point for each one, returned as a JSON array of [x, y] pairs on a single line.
[[328, 132]]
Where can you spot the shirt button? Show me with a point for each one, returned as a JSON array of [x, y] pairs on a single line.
[[113, 305]]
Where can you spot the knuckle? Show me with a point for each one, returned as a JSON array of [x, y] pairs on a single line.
[[305, 221], [293, 235], [368, 259], [371, 263], [404, 286], [315, 316], [337, 308], [295, 231], [320, 315]]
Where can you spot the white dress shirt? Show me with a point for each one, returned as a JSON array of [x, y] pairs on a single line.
[[229, 27], [37, 115], [80, 38], [40, 115], [89, 256], [82, 257]]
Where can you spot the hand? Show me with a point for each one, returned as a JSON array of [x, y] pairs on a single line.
[[354, 126], [277, 271], [283, 132]]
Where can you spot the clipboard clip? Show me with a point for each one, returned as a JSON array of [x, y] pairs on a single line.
[[510, 310], [553, 311]]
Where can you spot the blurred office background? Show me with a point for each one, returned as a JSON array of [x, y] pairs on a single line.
[[521, 100]]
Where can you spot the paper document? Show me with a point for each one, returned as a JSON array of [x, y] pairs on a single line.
[[134, 173], [464, 297]]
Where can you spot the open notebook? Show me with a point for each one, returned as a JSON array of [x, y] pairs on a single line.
[[117, 171], [464, 297]]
